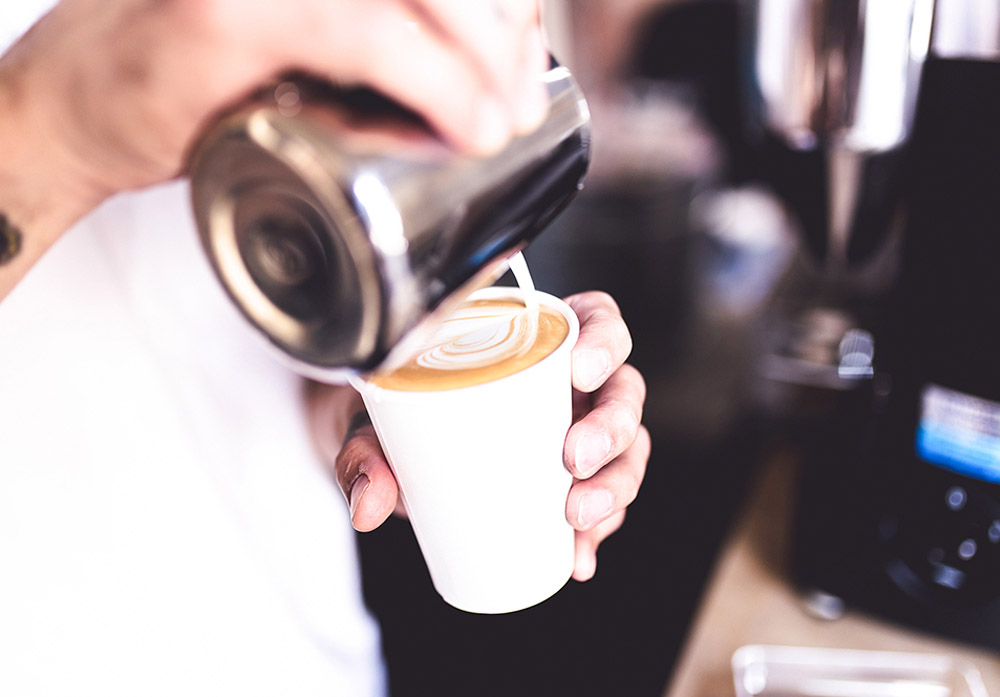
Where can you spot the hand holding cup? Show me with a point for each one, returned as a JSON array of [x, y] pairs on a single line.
[[606, 449]]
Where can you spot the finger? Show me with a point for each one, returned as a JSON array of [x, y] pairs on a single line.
[[504, 38], [610, 426], [611, 490], [604, 341], [434, 78], [366, 480], [585, 565]]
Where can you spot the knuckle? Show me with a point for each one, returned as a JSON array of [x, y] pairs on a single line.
[[635, 477], [607, 527], [643, 446], [622, 419], [645, 441], [635, 380], [633, 491], [626, 340], [611, 327], [594, 300], [633, 471], [605, 301]]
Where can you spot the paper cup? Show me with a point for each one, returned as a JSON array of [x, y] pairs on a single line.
[[481, 473]]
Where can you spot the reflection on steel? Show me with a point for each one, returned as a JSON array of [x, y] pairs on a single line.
[[967, 29], [342, 227], [841, 72]]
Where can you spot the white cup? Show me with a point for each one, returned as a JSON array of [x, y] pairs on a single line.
[[480, 470]]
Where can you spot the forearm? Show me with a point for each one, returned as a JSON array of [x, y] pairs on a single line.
[[34, 212], [101, 97], [41, 193]]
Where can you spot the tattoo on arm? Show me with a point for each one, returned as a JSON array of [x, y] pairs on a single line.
[[10, 240]]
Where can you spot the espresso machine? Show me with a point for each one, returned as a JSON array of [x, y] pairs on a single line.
[[877, 122]]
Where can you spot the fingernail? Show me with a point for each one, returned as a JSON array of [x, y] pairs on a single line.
[[591, 451], [595, 506], [492, 125], [358, 489], [589, 368]]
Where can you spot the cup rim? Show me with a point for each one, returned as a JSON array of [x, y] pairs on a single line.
[[515, 292]]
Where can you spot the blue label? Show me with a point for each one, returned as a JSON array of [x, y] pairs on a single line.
[[960, 432]]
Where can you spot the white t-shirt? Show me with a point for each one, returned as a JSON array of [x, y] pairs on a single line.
[[165, 527]]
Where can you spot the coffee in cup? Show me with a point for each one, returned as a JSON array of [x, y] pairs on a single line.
[[484, 340]]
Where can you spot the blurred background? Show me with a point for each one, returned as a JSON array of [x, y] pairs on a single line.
[[777, 188], [657, 226]]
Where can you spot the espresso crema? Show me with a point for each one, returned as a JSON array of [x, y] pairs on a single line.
[[483, 340]]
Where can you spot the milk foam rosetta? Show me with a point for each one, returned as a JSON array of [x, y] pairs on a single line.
[[483, 340]]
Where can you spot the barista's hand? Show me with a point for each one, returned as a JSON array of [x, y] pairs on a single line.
[[606, 449], [106, 95]]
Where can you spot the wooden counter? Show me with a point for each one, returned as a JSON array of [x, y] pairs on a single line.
[[748, 601]]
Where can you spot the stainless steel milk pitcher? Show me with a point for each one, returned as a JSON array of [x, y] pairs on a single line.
[[342, 227]]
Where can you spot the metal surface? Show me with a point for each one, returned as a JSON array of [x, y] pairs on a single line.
[[967, 29], [841, 72], [841, 78], [342, 228]]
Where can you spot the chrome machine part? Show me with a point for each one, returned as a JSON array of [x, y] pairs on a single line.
[[841, 73], [967, 29], [840, 78]]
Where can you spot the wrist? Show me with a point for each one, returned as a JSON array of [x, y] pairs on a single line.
[[42, 193]]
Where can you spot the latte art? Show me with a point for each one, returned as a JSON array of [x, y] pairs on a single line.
[[475, 337], [483, 340]]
